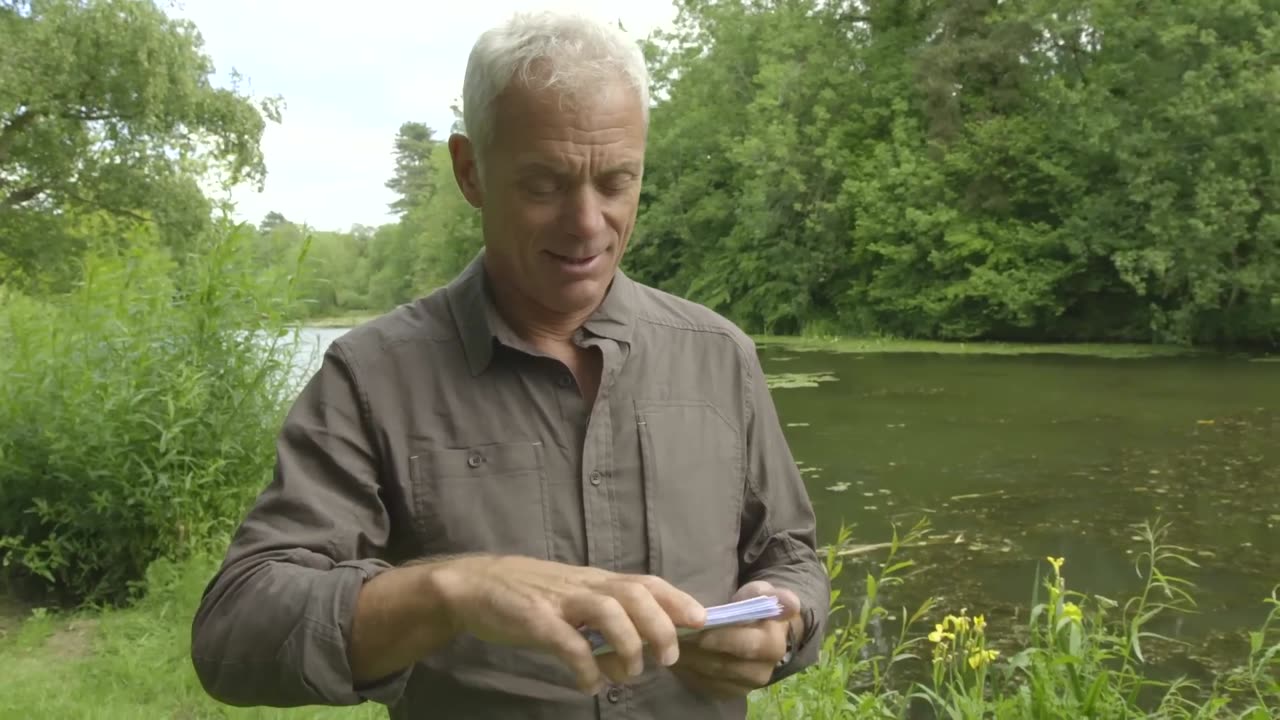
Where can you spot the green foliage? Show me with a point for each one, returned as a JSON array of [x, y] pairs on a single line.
[[376, 269], [856, 673], [106, 105], [137, 412], [128, 663], [133, 662], [1080, 656], [1029, 169]]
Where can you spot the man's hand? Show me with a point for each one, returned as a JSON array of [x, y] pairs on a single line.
[[733, 661], [530, 603]]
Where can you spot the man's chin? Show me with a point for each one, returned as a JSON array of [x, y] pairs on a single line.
[[575, 297]]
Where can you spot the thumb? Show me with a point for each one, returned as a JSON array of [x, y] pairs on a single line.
[[789, 600], [755, 588], [790, 603]]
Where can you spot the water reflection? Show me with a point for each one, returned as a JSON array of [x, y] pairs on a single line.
[[312, 343]]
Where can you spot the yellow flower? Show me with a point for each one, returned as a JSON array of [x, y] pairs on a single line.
[[958, 624], [940, 634], [979, 623], [1056, 563], [1073, 611], [982, 657]]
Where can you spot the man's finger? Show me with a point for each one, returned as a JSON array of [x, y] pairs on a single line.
[[789, 600], [566, 643], [650, 620], [612, 665], [749, 674], [605, 615], [683, 608], [711, 684], [755, 588], [790, 603], [747, 642]]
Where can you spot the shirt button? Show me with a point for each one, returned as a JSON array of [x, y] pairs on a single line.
[[475, 460], [614, 694], [595, 477], [565, 380]]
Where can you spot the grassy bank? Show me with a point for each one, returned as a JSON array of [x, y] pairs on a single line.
[[884, 345], [881, 345], [1075, 656], [339, 321], [122, 664]]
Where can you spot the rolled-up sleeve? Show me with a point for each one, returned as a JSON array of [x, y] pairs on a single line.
[[274, 624], [779, 534]]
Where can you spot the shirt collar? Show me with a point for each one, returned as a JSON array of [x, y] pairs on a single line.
[[479, 324]]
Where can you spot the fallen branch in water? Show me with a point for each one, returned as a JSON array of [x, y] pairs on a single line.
[[852, 550]]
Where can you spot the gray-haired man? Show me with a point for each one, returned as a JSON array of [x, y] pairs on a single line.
[[542, 446]]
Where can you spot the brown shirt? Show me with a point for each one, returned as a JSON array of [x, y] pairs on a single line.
[[434, 429]]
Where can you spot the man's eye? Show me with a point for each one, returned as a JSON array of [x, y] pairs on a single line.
[[540, 186], [617, 183]]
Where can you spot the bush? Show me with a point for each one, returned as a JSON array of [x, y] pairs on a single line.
[[137, 413], [1083, 657]]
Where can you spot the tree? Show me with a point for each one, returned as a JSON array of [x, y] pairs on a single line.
[[1013, 169], [414, 178], [271, 221], [106, 105]]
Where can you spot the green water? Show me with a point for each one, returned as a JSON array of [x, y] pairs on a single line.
[[1020, 457]]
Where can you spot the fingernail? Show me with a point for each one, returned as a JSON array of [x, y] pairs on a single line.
[[671, 655]]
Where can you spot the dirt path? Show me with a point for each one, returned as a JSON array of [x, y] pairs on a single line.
[[12, 613], [71, 638]]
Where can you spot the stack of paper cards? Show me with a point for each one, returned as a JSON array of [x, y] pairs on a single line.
[[742, 612]]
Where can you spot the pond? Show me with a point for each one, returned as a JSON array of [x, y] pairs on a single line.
[[1015, 458]]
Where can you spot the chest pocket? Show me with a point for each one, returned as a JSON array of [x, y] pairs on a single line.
[[693, 485], [486, 498]]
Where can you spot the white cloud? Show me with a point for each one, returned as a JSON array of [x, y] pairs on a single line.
[[349, 78]]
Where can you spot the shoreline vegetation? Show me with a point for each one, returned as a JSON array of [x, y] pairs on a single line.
[[840, 344], [1071, 656]]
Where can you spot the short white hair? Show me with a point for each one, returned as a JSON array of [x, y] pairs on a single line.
[[569, 52]]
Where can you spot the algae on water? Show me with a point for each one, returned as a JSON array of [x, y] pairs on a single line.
[[780, 381]]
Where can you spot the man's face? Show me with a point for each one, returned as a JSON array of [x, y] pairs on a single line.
[[560, 191]]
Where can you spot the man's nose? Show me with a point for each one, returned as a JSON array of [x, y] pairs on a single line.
[[584, 213]]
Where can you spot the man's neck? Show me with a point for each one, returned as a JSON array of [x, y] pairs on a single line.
[[541, 328]]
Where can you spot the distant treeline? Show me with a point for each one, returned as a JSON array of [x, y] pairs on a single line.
[[1003, 169], [1022, 169], [1027, 169]]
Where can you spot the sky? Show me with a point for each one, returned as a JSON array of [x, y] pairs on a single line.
[[349, 78]]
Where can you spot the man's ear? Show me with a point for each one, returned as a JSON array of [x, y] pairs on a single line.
[[466, 171]]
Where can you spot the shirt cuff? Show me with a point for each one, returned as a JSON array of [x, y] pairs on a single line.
[[385, 691]]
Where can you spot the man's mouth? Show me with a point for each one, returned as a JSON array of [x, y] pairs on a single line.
[[574, 261]]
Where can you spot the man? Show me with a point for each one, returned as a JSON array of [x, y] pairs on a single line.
[[541, 447]]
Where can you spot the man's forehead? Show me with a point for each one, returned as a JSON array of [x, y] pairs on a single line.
[[558, 163]]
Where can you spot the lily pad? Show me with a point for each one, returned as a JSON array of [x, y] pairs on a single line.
[[779, 381]]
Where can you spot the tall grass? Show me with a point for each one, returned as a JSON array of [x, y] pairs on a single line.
[[134, 662], [1081, 656], [137, 413]]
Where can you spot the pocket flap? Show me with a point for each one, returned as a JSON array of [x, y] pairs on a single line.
[[494, 459]]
